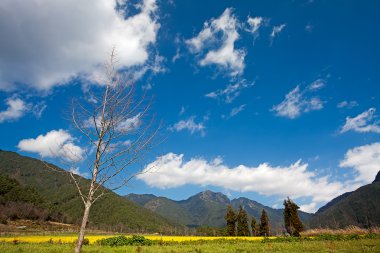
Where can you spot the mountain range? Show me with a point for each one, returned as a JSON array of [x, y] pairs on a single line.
[[358, 208], [52, 190], [209, 208]]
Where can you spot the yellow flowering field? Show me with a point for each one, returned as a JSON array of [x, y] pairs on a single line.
[[94, 238]]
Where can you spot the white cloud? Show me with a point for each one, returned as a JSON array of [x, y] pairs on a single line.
[[254, 25], [182, 111], [231, 92], [176, 56], [38, 109], [147, 86], [365, 160], [309, 28], [295, 181], [76, 171], [297, 101], [46, 43], [16, 108], [56, 144], [276, 30], [317, 84], [226, 56], [130, 124], [310, 208], [237, 110], [347, 104], [362, 123], [189, 125], [123, 125]]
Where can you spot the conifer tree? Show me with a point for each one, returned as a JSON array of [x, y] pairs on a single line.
[[242, 222], [264, 224], [253, 226], [231, 221], [293, 224]]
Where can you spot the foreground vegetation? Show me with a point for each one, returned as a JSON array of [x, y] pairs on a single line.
[[361, 245], [331, 242]]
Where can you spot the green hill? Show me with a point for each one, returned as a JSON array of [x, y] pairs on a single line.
[[208, 209], [359, 208], [111, 212]]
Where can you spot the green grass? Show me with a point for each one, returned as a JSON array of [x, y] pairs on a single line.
[[363, 245]]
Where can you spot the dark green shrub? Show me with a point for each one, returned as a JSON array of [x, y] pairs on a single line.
[[139, 240], [135, 240]]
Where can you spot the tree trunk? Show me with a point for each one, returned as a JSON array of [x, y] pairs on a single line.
[[78, 247]]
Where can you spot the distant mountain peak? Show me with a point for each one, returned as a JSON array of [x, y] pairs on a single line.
[[213, 196], [377, 178]]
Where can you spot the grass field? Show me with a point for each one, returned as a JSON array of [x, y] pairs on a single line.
[[173, 244], [363, 245]]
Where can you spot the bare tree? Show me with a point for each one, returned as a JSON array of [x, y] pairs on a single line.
[[119, 131]]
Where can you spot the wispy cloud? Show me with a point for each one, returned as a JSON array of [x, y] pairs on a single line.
[[347, 104], [38, 109], [182, 111], [275, 31], [226, 56], [309, 28], [124, 125], [297, 101], [316, 85], [237, 110], [189, 125], [365, 122], [231, 92]]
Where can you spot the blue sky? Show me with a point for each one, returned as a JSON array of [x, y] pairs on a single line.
[[258, 99]]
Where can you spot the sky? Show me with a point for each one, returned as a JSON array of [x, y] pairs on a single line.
[[257, 99]]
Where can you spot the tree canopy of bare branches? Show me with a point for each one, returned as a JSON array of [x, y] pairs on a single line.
[[119, 131]]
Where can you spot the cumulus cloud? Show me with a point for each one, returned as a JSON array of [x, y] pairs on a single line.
[[347, 104], [298, 101], [221, 30], [55, 144], [231, 92], [189, 125], [295, 180], [365, 122], [46, 43], [365, 160], [16, 108]]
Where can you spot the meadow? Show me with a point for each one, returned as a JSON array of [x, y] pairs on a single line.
[[65, 243]]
